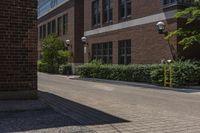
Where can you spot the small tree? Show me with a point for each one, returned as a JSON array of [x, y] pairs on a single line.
[[189, 34], [53, 52]]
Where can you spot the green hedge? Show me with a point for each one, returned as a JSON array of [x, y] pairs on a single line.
[[184, 73], [136, 73], [65, 69]]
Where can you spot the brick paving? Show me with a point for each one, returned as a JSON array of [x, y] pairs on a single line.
[[92, 107], [110, 108]]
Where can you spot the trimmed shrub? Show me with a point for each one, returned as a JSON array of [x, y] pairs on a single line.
[[65, 69], [184, 73], [136, 73]]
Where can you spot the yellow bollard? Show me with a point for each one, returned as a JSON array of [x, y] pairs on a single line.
[[168, 66]]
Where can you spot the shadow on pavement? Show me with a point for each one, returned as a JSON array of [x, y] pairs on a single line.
[[33, 120], [82, 114], [65, 114]]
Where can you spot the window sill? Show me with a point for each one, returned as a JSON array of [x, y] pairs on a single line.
[[107, 23], [125, 19], [96, 26]]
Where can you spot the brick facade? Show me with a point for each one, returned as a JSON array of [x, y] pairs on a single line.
[[18, 48], [147, 46], [74, 10]]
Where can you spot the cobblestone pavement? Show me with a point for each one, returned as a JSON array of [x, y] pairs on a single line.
[[109, 108]]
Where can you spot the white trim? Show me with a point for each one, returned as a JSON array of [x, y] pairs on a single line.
[[54, 8], [132, 23]]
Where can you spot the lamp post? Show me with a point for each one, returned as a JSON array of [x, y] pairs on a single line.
[[86, 46], [68, 43], [161, 28], [84, 40]]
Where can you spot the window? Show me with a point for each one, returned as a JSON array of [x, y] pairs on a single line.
[[53, 28], [125, 52], [44, 30], [53, 3], [59, 26], [41, 34], [49, 28], [103, 52], [107, 11], [166, 2], [95, 13], [65, 24], [125, 8]]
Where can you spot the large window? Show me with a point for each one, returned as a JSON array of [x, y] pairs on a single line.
[[40, 32], [59, 26], [107, 11], [44, 30], [125, 52], [103, 52], [53, 28], [49, 27], [65, 19], [95, 13], [125, 8]]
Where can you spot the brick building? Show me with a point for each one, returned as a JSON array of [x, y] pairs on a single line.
[[124, 32], [18, 48], [64, 18]]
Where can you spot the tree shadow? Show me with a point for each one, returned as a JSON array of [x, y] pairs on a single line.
[[65, 114]]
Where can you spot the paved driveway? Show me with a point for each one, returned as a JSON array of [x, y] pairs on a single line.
[[111, 108]]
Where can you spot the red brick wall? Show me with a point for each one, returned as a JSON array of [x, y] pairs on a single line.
[[147, 45], [74, 10], [140, 8], [18, 45]]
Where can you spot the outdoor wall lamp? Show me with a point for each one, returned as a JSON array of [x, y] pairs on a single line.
[[68, 43], [86, 48], [84, 40], [161, 28]]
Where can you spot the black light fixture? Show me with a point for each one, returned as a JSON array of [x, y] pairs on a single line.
[[161, 28]]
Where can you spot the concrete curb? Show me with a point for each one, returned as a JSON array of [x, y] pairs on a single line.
[[144, 85]]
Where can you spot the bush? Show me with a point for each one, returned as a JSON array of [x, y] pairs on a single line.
[[185, 73], [46, 68], [65, 69], [42, 67], [136, 73]]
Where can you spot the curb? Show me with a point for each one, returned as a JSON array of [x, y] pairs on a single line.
[[136, 84]]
